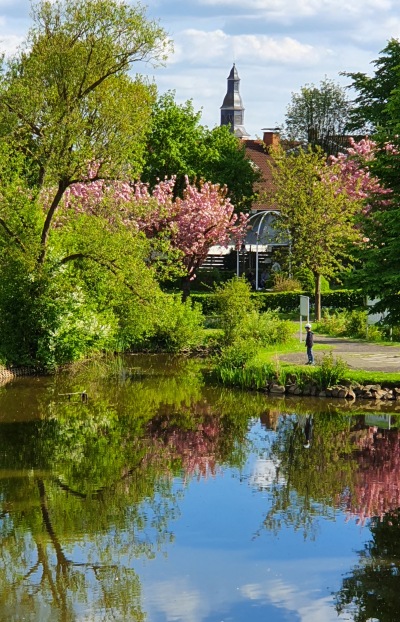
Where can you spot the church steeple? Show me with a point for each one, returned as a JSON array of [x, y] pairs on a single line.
[[232, 111]]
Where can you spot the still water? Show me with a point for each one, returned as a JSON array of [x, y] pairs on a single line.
[[163, 499]]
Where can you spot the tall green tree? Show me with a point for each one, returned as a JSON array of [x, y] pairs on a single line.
[[372, 108], [316, 215], [377, 108], [70, 112], [179, 145], [318, 116]]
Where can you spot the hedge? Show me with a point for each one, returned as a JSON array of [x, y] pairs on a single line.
[[289, 301]]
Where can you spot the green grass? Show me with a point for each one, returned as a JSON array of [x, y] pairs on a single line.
[[270, 357]]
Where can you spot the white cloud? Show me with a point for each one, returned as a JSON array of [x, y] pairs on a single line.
[[213, 583], [179, 600], [9, 43], [199, 46], [304, 8]]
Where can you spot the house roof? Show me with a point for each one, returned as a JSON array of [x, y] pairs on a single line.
[[256, 151]]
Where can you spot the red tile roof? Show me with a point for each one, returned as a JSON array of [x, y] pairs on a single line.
[[257, 152]]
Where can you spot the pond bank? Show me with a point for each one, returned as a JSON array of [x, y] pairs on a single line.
[[359, 355]]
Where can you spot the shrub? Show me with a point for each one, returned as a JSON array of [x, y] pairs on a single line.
[[287, 301], [237, 354], [348, 324], [234, 303], [332, 323], [356, 324], [266, 328], [179, 327], [330, 370], [284, 283]]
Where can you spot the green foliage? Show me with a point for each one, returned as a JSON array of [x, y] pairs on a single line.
[[283, 283], [331, 323], [178, 327], [237, 354], [179, 145], [234, 303], [356, 324], [330, 371], [306, 279], [377, 112], [68, 101], [371, 108], [344, 323], [315, 212], [287, 302], [245, 331], [266, 328], [318, 116]]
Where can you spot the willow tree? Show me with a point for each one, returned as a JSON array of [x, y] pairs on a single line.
[[316, 213], [70, 111]]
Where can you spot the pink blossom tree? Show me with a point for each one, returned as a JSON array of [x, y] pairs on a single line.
[[352, 173], [203, 218]]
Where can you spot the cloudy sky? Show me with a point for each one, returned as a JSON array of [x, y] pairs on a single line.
[[278, 47]]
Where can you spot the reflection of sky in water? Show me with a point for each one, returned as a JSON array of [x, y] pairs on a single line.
[[225, 566]]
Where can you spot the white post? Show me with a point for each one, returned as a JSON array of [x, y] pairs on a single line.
[[304, 310]]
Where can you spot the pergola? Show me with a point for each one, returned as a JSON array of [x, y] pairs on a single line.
[[261, 238]]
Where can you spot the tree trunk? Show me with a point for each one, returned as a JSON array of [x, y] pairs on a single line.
[[317, 282], [185, 288]]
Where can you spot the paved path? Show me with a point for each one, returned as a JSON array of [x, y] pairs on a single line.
[[357, 354]]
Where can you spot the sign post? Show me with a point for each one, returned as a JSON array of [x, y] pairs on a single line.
[[304, 311]]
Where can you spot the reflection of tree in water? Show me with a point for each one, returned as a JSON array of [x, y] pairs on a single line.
[[86, 491], [308, 479], [63, 539], [349, 466], [198, 439], [376, 482], [371, 591]]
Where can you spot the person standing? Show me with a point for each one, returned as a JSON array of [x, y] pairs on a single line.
[[309, 345]]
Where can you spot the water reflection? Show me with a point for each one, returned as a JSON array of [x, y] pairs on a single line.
[[371, 589], [98, 499]]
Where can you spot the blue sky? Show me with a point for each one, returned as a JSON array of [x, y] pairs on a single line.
[[278, 47]]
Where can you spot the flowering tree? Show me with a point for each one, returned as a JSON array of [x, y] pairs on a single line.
[[203, 218], [351, 171]]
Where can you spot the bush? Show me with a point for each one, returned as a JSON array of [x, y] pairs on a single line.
[[356, 324], [330, 371], [282, 283], [266, 328], [348, 324], [332, 323], [237, 354], [234, 303], [178, 328], [306, 278]]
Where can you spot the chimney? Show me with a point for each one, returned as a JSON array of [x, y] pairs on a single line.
[[271, 136]]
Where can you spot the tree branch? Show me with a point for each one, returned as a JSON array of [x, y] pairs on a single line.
[[107, 265], [11, 234]]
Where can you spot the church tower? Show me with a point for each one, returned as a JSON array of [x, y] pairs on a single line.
[[232, 111]]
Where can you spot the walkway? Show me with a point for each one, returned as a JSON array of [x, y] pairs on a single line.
[[357, 354]]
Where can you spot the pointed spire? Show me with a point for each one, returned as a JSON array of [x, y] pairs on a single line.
[[232, 110]]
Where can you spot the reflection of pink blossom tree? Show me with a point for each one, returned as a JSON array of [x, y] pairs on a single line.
[[203, 218], [377, 482], [197, 448]]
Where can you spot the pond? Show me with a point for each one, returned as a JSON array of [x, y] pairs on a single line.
[[159, 498]]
